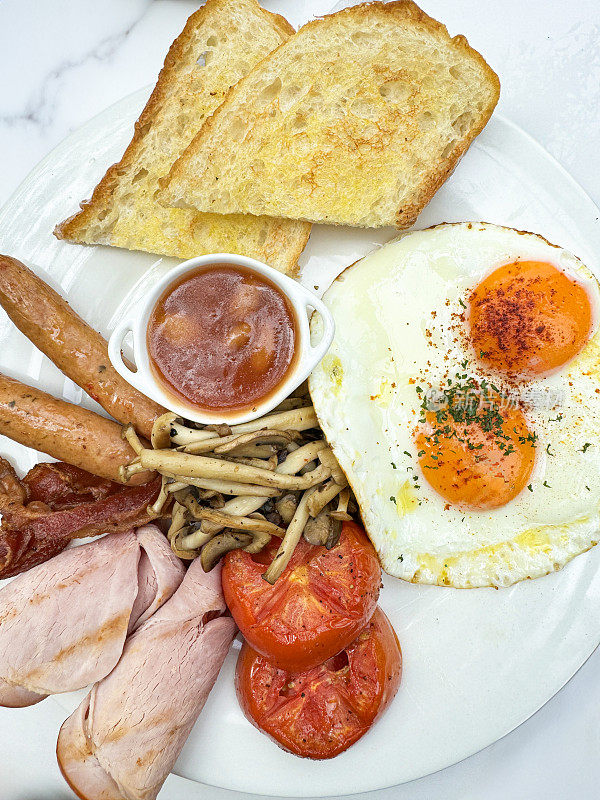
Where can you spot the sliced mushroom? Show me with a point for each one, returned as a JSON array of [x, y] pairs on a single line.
[[189, 502], [180, 434], [129, 435], [225, 487], [213, 551], [217, 501], [260, 539], [307, 468], [297, 419], [179, 548], [341, 511], [210, 445], [178, 464], [324, 494], [300, 457], [178, 520], [237, 523], [128, 471], [286, 507], [195, 539], [220, 430], [327, 458], [237, 506], [290, 540], [322, 530], [156, 508], [266, 436], [161, 430], [261, 463], [262, 451], [176, 486], [206, 494]]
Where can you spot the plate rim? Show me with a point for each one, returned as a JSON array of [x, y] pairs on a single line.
[[497, 119]]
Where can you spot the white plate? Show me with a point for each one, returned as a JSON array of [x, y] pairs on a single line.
[[476, 662]]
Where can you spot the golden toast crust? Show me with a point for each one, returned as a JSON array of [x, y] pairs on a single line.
[[430, 179], [284, 240]]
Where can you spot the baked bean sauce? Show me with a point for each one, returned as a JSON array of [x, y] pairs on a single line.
[[222, 338]]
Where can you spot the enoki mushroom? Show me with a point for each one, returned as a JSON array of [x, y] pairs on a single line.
[[234, 487]]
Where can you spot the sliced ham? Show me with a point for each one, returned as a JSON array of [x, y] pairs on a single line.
[[63, 624], [124, 739]]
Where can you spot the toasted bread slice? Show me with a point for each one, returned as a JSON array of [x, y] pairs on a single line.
[[356, 120], [219, 45]]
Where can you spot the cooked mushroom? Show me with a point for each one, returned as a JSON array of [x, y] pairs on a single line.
[[178, 464], [290, 540], [261, 463], [206, 494], [129, 435], [180, 434], [175, 486], [237, 522], [266, 436], [213, 551], [300, 457], [322, 530], [238, 506], [324, 494], [178, 520], [156, 508], [210, 445], [160, 437], [217, 500], [177, 546], [259, 541], [286, 507], [220, 430], [341, 511], [189, 502], [225, 487], [296, 419], [194, 539], [327, 458], [127, 472]]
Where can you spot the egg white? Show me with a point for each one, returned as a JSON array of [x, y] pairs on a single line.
[[396, 317]]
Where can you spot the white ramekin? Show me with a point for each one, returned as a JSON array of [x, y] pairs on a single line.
[[303, 302]]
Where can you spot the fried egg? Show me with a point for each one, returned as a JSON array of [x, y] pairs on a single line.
[[461, 396]]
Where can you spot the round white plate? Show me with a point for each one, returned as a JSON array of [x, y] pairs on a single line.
[[477, 662]]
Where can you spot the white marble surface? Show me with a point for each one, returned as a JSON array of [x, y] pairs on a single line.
[[63, 61]]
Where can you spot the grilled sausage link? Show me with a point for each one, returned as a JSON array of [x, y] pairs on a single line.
[[64, 431], [78, 350]]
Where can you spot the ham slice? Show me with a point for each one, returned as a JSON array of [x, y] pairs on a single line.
[[63, 624], [126, 735]]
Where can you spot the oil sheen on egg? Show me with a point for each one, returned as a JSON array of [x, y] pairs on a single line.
[[402, 332]]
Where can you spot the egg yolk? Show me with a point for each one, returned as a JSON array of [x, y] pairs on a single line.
[[479, 459], [528, 318]]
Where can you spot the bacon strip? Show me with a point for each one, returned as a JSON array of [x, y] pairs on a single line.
[[32, 532], [62, 485]]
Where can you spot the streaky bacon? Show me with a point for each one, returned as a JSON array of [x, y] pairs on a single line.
[[31, 531], [62, 485]]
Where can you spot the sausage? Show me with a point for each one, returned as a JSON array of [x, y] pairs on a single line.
[[64, 431], [78, 350]]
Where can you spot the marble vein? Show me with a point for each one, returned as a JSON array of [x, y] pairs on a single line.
[[39, 112]]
